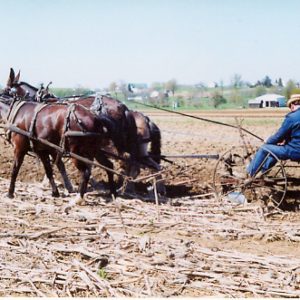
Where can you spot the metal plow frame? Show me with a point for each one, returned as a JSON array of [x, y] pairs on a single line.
[[232, 183]]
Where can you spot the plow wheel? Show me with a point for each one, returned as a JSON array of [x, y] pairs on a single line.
[[232, 183]]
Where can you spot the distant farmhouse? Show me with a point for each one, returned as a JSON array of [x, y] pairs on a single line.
[[138, 91], [267, 100]]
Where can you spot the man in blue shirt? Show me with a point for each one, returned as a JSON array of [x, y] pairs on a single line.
[[285, 143]]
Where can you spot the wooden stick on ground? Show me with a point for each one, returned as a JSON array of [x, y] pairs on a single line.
[[156, 199], [119, 211]]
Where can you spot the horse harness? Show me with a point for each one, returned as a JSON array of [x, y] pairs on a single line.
[[15, 108], [10, 119]]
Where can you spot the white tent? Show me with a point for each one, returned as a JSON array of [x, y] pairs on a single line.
[[268, 100]]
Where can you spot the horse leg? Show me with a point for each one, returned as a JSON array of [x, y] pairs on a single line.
[[85, 176], [107, 163], [85, 171], [49, 172], [61, 167], [18, 160]]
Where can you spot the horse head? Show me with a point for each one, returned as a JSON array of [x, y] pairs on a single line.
[[12, 83], [148, 132], [18, 89]]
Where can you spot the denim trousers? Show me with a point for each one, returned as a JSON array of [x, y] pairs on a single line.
[[264, 160]]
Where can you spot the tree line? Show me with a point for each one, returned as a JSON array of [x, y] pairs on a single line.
[[199, 95]]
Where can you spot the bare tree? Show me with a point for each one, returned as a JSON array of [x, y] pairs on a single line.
[[113, 88], [290, 88], [221, 85], [171, 85], [237, 80], [124, 89], [202, 87]]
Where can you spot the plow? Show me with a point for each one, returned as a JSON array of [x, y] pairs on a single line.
[[232, 183]]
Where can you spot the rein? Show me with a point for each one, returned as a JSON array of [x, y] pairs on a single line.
[[75, 96], [198, 118]]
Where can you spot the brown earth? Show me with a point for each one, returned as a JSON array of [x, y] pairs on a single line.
[[190, 246]]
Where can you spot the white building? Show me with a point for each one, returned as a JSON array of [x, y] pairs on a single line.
[[138, 91], [267, 100]]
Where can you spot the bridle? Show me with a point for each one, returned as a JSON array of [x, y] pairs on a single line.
[[14, 91]]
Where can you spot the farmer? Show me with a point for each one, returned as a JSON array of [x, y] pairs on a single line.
[[285, 143]]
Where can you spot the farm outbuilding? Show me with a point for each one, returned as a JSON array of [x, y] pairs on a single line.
[[267, 100], [138, 91]]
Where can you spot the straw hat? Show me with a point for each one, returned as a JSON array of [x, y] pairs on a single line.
[[294, 98]]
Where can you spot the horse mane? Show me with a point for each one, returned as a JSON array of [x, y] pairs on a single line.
[[155, 136]]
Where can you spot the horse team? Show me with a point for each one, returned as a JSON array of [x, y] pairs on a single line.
[[94, 127]]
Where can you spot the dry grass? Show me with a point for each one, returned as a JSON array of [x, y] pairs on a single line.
[[189, 246]]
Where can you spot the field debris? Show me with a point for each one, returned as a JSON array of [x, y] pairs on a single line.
[[192, 246]]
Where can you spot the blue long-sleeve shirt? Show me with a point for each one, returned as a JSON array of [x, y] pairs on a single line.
[[288, 132]]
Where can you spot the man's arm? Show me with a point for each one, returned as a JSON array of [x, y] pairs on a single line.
[[282, 134]]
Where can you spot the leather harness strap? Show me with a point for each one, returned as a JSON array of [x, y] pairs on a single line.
[[37, 109], [13, 111], [62, 143]]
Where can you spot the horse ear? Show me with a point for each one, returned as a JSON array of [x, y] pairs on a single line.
[[11, 77], [17, 77]]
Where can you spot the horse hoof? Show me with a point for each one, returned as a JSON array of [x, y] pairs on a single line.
[[10, 195], [55, 194], [70, 189]]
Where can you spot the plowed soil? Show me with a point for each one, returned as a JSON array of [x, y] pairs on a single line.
[[188, 228]]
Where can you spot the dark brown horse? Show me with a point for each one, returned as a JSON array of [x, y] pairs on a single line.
[[137, 132], [132, 132], [52, 122]]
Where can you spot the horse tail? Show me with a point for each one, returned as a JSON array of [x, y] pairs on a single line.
[[132, 136], [155, 136]]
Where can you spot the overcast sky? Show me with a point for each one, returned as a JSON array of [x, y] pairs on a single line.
[[95, 42]]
